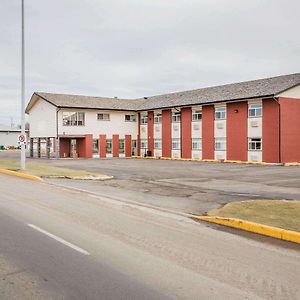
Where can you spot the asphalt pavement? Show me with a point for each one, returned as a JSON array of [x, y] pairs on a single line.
[[62, 244]]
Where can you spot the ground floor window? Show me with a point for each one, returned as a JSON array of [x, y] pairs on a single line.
[[157, 143], [175, 144], [220, 144], [196, 144], [144, 144], [108, 146], [95, 146], [254, 144], [121, 146]]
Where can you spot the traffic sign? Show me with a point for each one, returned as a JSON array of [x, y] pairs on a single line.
[[22, 139]]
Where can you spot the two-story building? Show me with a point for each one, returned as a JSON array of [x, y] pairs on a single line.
[[248, 121]]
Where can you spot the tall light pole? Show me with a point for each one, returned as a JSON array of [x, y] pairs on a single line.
[[23, 150]]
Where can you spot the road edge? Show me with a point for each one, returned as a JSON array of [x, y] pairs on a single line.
[[275, 232], [19, 174]]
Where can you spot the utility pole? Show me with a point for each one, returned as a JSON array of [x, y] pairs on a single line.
[[23, 150]]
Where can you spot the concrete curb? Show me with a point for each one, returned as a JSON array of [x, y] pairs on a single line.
[[22, 175], [275, 232], [87, 177]]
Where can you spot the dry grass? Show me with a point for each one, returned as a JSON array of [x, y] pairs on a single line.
[[278, 213], [44, 170]]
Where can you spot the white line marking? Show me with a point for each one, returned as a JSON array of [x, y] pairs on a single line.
[[59, 239]]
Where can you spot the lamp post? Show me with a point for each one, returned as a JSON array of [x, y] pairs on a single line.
[[23, 150]]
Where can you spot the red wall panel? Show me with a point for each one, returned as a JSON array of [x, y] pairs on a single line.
[[270, 131], [166, 133], [115, 145], [290, 129], [84, 146], [151, 132], [138, 142], [102, 145], [128, 145], [208, 146], [237, 131], [186, 132], [64, 147]]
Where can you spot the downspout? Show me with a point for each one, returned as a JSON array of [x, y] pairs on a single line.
[[279, 127]]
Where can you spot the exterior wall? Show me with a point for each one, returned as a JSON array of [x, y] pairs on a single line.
[[144, 134], [166, 133], [186, 132], [9, 138], [270, 131], [208, 132], [220, 132], [196, 134], [85, 146], [255, 131], [176, 130], [127, 145], [150, 132], [115, 145], [157, 135], [102, 145], [291, 93], [290, 129], [236, 131], [42, 120]]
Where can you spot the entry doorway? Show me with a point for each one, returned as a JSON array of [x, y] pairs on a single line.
[[73, 148]]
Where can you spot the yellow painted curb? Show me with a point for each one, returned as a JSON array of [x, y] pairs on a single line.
[[275, 232], [18, 174]]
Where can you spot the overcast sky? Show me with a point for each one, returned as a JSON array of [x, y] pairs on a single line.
[[135, 48]]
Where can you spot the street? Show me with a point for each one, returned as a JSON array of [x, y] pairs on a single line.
[[62, 244]]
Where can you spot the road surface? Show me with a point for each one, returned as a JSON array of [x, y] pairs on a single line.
[[62, 244]]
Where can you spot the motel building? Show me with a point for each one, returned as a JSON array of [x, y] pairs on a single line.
[[256, 120]]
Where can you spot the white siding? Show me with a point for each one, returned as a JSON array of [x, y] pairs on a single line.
[[291, 93], [220, 132], [42, 119]]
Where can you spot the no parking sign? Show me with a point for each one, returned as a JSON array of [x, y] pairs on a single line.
[[22, 139]]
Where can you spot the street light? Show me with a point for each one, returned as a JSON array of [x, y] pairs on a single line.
[[23, 150]]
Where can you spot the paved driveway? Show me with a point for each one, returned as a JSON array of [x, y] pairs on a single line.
[[193, 187]]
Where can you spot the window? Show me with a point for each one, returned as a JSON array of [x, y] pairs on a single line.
[[197, 115], [254, 144], [176, 117], [95, 146], [220, 113], [144, 144], [130, 118], [220, 144], [103, 117], [157, 118], [108, 146], [73, 118], [175, 144], [144, 119], [157, 143], [122, 146], [196, 144], [255, 110]]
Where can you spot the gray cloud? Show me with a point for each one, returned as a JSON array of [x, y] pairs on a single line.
[[133, 48]]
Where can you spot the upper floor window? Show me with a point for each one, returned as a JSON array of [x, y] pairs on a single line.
[[157, 118], [220, 113], [220, 144], [130, 118], [103, 117], [197, 115], [176, 117], [255, 110], [73, 118], [144, 119]]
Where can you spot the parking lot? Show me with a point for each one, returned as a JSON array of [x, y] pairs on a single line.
[[192, 187]]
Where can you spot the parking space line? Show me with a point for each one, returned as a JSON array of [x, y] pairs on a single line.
[[74, 247]]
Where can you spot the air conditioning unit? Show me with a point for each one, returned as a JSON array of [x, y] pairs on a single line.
[[196, 126], [254, 124], [220, 125]]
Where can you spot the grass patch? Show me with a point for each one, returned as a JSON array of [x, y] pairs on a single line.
[[278, 213], [44, 170]]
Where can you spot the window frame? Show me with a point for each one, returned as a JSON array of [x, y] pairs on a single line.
[[73, 118], [103, 114], [196, 113], [157, 118], [178, 141], [197, 140], [176, 117], [159, 143], [108, 142], [144, 119], [220, 113], [250, 141], [251, 107], [121, 146], [132, 118], [219, 140], [144, 144]]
